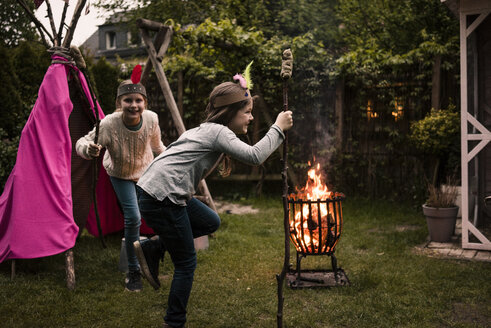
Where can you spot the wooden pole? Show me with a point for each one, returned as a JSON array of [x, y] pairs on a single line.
[[70, 269], [52, 23], [62, 23], [12, 269], [71, 29], [162, 40]]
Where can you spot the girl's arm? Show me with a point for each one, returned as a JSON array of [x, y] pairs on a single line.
[[86, 148], [227, 142]]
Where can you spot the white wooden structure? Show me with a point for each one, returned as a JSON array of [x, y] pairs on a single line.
[[475, 68]]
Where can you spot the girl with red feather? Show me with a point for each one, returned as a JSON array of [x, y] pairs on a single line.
[[132, 138]]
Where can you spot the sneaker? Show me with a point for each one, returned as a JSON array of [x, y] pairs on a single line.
[[133, 281], [148, 252]]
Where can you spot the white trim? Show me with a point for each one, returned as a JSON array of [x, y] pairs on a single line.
[[484, 137], [476, 23]]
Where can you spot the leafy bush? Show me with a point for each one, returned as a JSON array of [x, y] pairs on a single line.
[[437, 138], [437, 132]]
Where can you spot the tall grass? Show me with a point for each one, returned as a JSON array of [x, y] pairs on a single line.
[[392, 284]]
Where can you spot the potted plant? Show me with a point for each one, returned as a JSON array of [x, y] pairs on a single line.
[[437, 138], [441, 211]]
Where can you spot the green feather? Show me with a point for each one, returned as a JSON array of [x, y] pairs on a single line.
[[247, 76]]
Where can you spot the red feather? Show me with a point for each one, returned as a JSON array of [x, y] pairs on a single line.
[[136, 74]]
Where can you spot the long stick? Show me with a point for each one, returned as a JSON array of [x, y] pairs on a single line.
[[79, 59], [286, 73]]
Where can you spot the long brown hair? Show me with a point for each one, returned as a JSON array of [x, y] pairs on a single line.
[[224, 115]]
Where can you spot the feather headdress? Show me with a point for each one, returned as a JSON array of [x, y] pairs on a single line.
[[133, 85]]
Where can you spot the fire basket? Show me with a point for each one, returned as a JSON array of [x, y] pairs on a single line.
[[315, 225]]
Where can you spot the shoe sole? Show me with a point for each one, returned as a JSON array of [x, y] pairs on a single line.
[[144, 266]]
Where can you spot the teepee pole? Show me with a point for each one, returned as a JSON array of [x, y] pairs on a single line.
[[51, 23], [71, 29], [62, 23]]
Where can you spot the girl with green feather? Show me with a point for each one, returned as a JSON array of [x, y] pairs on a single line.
[[166, 188]]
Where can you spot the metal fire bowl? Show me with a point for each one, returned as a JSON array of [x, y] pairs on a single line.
[[317, 279]]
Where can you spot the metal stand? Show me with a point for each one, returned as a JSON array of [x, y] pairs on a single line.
[[299, 278]]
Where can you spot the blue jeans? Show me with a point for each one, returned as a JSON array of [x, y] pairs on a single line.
[[126, 193], [177, 226]]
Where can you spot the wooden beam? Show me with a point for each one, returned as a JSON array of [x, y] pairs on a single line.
[[162, 38], [164, 84], [146, 24]]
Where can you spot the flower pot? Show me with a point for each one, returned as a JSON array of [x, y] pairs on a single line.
[[441, 222]]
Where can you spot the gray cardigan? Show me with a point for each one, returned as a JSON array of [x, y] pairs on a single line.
[[177, 171]]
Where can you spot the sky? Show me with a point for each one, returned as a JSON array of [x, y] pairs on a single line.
[[86, 26]]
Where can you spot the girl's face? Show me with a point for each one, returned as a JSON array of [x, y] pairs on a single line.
[[242, 120], [132, 105]]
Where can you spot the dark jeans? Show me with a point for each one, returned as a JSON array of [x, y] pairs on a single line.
[[177, 226]]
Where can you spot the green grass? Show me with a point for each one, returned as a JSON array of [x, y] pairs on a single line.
[[235, 285]]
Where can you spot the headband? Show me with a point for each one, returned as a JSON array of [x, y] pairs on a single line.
[[231, 98], [135, 86], [245, 82]]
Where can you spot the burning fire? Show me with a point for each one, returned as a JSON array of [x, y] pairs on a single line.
[[308, 232]]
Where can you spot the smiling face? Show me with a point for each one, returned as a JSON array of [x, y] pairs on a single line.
[[242, 119], [132, 105]]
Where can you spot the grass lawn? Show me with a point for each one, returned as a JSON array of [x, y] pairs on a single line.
[[392, 284]]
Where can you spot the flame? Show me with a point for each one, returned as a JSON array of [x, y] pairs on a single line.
[[307, 232]]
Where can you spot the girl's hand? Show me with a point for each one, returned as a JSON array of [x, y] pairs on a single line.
[[284, 120], [94, 150]]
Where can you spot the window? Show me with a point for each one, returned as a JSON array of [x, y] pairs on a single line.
[[110, 40]]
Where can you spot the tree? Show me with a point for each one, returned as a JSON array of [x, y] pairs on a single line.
[[16, 25]]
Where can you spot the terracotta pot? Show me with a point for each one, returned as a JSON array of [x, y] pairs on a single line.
[[441, 222]]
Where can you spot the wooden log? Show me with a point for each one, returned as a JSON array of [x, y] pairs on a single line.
[[70, 269], [168, 32], [146, 24], [164, 84], [147, 68]]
